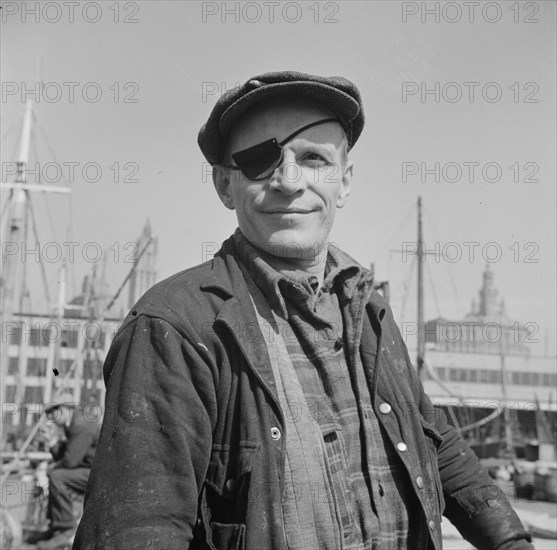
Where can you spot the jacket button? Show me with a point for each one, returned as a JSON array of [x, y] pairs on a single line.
[[420, 482], [384, 408], [401, 446], [431, 525], [275, 433], [231, 485]]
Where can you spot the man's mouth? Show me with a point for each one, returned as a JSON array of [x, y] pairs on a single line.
[[287, 211]]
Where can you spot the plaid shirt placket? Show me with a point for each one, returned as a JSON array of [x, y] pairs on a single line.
[[319, 361], [369, 480]]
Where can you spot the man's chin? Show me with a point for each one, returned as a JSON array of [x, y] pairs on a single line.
[[292, 246]]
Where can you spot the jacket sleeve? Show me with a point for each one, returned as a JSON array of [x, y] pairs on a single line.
[[79, 442], [155, 442], [58, 449], [475, 504]]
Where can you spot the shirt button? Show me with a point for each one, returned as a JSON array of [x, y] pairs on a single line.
[[230, 485], [401, 446], [431, 525], [275, 433], [384, 408], [420, 482]]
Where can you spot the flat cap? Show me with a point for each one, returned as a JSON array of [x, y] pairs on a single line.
[[64, 398], [337, 93]]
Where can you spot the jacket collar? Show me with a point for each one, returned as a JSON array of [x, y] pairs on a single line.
[[227, 277], [224, 270]]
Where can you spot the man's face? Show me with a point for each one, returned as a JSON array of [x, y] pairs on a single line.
[[60, 415], [290, 213]]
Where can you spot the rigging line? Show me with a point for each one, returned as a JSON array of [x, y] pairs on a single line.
[[491, 416], [395, 232], [433, 374], [407, 292], [431, 371], [69, 230], [16, 118], [41, 263], [134, 267], [448, 267], [69, 234], [5, 207], [24, 291], [433, 291], [47, 206]]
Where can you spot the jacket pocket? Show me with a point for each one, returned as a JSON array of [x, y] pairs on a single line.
[[433, 441], [225, 495]]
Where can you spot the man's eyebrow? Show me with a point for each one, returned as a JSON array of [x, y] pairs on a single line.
[[328, 148]]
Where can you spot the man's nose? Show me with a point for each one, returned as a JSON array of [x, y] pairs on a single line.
[[287, 177]]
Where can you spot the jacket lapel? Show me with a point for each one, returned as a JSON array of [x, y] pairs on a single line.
[[238, 316]]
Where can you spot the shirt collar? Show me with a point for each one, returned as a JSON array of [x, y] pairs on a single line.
[[341, 271]]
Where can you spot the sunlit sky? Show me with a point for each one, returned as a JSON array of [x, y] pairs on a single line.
[[179, 56]]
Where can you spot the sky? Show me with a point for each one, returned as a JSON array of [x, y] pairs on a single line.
[[460, 109]]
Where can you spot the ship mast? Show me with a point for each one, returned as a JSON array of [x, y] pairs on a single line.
[[18, 200], [16, 208], [420, 331]]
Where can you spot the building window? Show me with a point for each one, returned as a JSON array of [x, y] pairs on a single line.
[[33, 394], [39, 337], [15, 337], [10, 394], [441, 373], [36, 366], [65, 364], [69, 338], [484, 376], [494, 377], [13, 365]]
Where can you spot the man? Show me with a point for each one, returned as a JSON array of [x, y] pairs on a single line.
[[265, 399], [70, 471]]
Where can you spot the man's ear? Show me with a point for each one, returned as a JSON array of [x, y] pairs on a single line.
[[221, 181], [346, 184]]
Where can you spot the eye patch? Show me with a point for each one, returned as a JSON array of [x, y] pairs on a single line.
[[259, 161]]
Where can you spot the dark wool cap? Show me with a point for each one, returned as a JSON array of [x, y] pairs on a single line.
[[336, 92]]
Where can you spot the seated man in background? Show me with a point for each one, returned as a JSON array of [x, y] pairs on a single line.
[[69, 473]]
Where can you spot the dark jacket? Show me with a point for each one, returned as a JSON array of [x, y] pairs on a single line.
[[191, 453], [82, 438]]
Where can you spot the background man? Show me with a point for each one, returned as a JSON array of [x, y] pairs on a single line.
[[69, 473], [265, 399]]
